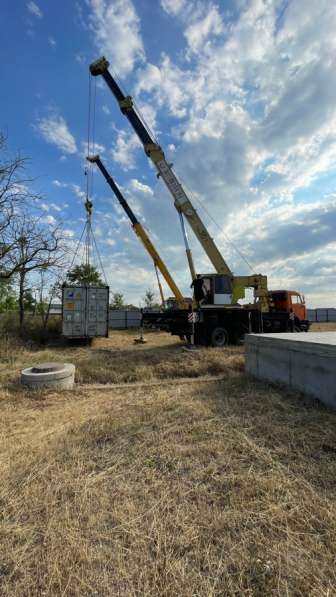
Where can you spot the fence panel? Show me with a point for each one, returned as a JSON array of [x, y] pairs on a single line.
[[322, 315], [122, 319]]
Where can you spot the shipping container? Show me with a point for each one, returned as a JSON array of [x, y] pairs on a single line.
[[85, 311]]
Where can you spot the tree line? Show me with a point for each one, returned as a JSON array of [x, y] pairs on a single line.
[[34, 250], [30, 245]]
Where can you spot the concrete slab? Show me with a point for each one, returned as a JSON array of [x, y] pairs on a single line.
[[306, 362]]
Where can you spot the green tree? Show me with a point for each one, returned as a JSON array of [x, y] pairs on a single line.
[[29, 301], [149, 298], [84, 275], [8, 297], [117, 301]]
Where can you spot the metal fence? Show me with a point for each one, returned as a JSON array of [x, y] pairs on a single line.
[[119, 319], [122, 319], [322, 315]]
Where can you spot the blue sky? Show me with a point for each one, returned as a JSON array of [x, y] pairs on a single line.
[[241, 95]]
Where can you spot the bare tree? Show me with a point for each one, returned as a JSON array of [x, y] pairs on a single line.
[[14, 193], [35, 246]]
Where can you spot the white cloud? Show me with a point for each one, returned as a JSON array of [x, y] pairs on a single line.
[[58, 183], [75, 188], [54, 130], [124, 149], [198, 32], [256, 125], [78, 191], [173, 7], [116, 28], [52, 42], [55, 207], [106, 110], [95, 149], [80, 58], [136, 185], [34, 9], [166, 84], [50, 220]]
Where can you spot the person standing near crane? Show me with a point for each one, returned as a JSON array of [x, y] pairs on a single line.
[[199, 291]]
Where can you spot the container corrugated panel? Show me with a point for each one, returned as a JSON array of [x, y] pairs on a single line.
[[85, 311]]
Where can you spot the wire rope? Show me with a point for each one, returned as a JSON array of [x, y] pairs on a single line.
[[227, 238], [78, 245]]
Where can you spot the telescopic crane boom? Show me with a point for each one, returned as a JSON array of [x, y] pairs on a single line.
[[155, 153], [140, 232], [235, 285]]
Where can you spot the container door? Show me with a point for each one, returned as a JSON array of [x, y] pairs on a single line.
[[74, 307], [97, 312]]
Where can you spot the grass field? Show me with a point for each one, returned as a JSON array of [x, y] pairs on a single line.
[[118, 360], [323, 327], [201, 488]]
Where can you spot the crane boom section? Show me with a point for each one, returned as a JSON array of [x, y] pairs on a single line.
[[156, 154], [140, 232]]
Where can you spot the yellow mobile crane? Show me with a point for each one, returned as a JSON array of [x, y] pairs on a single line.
[[142, 235], [230, 288], [219, 318]]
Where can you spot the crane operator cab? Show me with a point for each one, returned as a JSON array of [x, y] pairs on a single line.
[[217, 289]]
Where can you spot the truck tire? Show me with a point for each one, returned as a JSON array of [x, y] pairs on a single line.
[[219, 337]]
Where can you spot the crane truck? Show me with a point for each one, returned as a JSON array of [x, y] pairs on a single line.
[[220, 318]]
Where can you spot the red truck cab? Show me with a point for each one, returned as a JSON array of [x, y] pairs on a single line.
[[285, 300]]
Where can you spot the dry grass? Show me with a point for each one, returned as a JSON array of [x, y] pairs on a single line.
[[323, 327], [118, 360], [217, 489], [214, 489]]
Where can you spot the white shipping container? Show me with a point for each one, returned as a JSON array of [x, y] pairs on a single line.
[[85, 311]]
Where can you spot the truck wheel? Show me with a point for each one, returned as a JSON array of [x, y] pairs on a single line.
[[219, 337]]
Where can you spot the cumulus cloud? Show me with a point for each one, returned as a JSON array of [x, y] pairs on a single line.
[[136, 185], [54, 130], [34, 9], [166, 85], [254, 129], [75, 188], [58, 183], [124, 149], [199, 31], [116, 28]]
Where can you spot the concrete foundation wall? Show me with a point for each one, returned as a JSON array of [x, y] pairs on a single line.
[[306, 362]]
